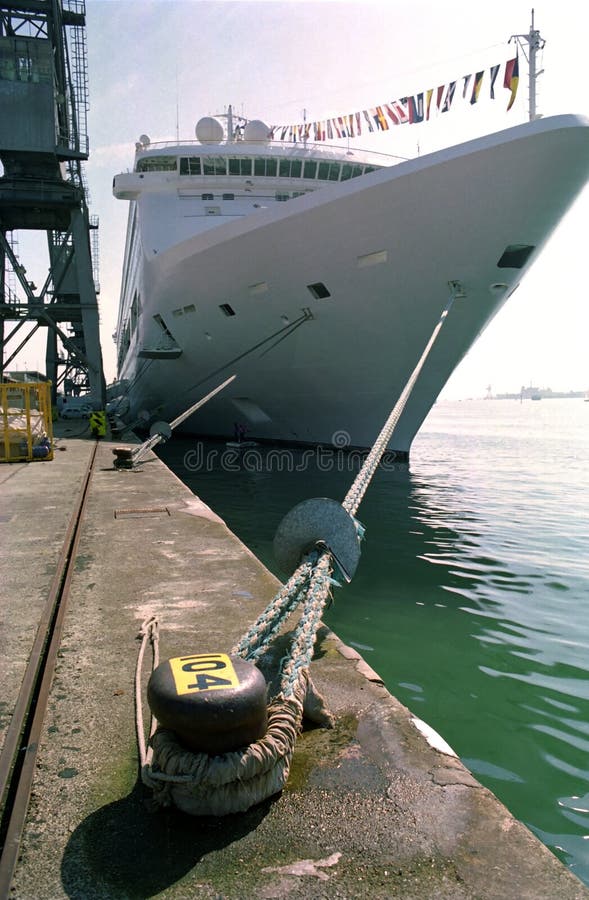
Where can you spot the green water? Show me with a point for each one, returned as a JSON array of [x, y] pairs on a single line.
[[472, 595]]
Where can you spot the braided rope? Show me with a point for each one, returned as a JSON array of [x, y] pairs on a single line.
[[360, 484], [149, 632], [233, 782], [256, 639], [305, 634], [314, 574], [205, 785]]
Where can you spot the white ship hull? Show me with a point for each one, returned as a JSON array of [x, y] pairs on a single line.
[[387, 246]]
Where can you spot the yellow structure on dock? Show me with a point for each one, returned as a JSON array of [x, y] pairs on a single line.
[[26, 428]]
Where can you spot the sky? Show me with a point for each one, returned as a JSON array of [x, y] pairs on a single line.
[[157, 66]]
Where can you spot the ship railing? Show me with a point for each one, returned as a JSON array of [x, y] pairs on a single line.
[[279, 148]]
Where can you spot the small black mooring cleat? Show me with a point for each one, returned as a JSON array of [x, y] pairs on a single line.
[[123, 452]]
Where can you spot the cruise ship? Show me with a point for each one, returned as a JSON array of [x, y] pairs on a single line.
[[317, 274]]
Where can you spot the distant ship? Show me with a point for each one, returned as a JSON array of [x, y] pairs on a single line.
[[317, 274]]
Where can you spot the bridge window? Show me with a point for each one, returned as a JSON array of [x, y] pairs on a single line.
[[214, 165], [350, 171], [329, 171], [291, 168], [239, 165], [157, 164], [265, 167], [190, 165]]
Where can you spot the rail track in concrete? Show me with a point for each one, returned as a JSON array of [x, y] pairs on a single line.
[[18, 759]]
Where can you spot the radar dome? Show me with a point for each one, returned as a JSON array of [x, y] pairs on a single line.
[[257, 131], [144, 139], [209, 130]]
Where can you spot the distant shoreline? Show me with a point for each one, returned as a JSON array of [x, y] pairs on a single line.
[[541, 394], [534, 394]]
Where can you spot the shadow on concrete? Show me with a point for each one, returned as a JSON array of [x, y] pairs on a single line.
[[125, 850]]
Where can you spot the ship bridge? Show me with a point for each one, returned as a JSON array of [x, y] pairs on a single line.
[[248, 159]]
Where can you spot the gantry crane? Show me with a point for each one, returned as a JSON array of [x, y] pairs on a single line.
[[43, 144]]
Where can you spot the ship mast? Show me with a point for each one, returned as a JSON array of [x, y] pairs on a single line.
[[534, 42], [234, 124], [229, 124]]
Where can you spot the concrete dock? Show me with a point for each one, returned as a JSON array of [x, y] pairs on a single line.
[[371, 809]]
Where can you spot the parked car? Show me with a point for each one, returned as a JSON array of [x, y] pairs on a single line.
[[76, 411]]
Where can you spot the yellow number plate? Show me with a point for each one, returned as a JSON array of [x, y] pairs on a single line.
[[205, 672]]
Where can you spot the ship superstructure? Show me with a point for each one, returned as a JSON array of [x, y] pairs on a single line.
[[317, 274]]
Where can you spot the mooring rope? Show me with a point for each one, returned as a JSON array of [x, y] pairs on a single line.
[[312, 580], [360, 484], [254, 642], [232, 782], [149, 632]]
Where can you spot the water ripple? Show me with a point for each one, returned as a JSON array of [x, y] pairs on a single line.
[[472, 592]]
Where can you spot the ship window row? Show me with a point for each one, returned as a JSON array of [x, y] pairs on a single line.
[[158, 164], [124, 345], [279, 195], [266, 167], [216, 210], [135, 312]]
